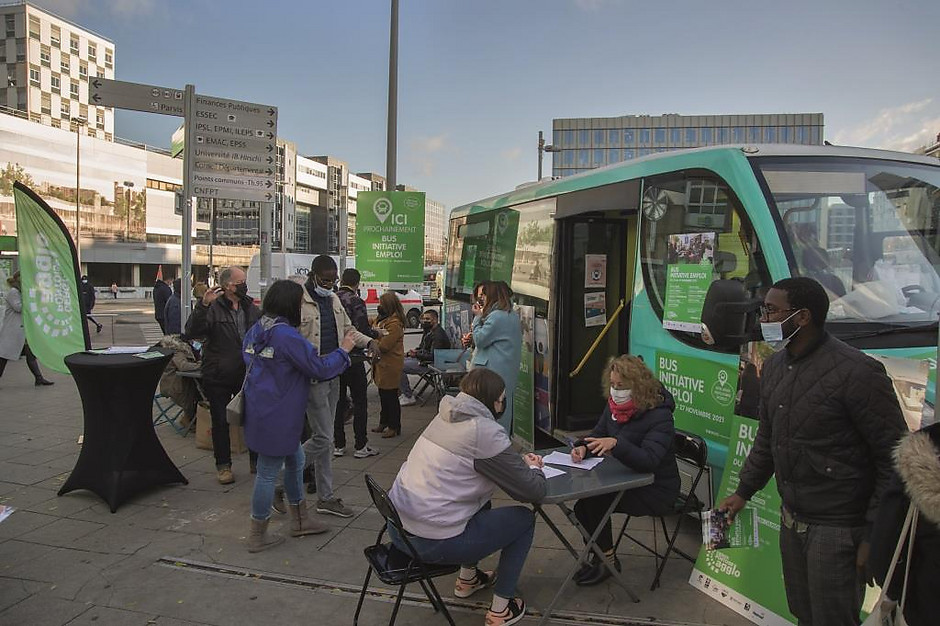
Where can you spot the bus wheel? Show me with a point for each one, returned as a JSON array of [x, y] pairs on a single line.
[[414, 318]]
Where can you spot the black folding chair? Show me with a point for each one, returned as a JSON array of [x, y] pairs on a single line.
[[693, 450], [395, 567]]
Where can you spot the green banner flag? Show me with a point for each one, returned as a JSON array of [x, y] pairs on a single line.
[[390, 237], [52, 311]]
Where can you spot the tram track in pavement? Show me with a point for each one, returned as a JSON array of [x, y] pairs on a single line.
[[388, 595]]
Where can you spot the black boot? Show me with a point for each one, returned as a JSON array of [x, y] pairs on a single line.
[[310, 479], [598, 573], [585, 568], [41, 382]]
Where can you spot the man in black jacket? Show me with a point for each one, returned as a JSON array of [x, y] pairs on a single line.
[[221, 324], [161, 293], [829, 419], [416, 361], [354, 378]]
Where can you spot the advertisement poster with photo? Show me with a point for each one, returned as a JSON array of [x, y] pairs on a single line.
[[704, 392], [689, 273], [523, 402], [749, 581], [542, 362], [595, 308], [909, 378], [595, 271]]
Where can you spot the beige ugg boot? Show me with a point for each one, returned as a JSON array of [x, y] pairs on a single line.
[[259, 539], [300, 524]]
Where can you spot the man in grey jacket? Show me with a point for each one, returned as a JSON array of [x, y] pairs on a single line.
[[829, 419]]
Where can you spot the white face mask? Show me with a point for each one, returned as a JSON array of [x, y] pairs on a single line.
[[772, 332], [620, 396], [322, 291]]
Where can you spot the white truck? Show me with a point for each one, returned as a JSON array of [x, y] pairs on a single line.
[[286, 264]]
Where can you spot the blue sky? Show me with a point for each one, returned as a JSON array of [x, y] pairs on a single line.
[[479, 78]]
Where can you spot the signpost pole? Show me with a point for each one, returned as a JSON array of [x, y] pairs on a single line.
[[189, 98], [265, 260]]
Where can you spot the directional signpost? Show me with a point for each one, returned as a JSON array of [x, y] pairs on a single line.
[[230, 150], [135, 96]]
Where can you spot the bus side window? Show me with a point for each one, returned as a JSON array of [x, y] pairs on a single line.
[[693, 217]]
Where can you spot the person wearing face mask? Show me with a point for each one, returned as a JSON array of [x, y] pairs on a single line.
[[387, 369], [324, 322], [416, 361], [443, 492], [829, 420], [354, 379], [636, 428], [220, 320]]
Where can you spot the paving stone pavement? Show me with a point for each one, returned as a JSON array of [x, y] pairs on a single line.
[[176, 555]]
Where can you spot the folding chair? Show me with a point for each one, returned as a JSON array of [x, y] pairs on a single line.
[[170, 413], [448, 368], [394, 567], [693, 450]]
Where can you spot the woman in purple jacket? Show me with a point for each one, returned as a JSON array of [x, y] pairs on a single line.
[[281, 365]]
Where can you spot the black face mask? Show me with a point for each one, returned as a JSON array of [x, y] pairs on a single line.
[[499, 414], [241, 290], [426, 326]]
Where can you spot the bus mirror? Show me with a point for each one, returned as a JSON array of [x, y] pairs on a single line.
[[727, 314]]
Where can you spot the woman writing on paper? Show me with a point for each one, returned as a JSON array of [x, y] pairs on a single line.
[[636, 429]]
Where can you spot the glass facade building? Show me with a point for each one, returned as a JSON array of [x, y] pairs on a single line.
[[584, 143]]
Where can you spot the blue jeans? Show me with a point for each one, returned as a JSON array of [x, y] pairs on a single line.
[[509, 529], [268, 467]]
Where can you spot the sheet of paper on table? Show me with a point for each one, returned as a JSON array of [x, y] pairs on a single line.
[[5, 511], [121, 350], [551, 472], [564, 458]]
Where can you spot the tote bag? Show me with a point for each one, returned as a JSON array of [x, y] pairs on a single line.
[[887, 612]]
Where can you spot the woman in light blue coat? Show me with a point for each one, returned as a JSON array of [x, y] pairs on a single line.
[[496, 336]]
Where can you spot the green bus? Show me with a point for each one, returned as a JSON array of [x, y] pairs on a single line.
[[592, 254]]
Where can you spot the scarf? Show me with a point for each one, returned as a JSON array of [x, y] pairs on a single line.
[[621, 413]]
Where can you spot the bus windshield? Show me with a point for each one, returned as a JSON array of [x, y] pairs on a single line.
[[868, 230]]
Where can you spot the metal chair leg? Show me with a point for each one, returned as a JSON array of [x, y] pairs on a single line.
[[440, 600], [362, 596], [401, 592]]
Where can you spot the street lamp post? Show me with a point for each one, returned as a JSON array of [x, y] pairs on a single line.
[[544, 148], [79, 122], [127, 208]]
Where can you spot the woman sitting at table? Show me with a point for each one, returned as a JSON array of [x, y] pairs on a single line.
[[636, 429], [443, 492]]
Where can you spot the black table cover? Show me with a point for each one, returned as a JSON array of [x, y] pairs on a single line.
[[121, 454]]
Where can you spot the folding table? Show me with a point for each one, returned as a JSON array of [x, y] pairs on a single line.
[[610, 476]]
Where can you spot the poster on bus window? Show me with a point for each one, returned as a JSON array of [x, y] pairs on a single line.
[[595, 308], [523, 401], [595, 271], [689, 273]]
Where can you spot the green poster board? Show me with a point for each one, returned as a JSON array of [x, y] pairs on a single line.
[[523, 402], [704, 392], [390, 238], [686, 286], [749, 581]]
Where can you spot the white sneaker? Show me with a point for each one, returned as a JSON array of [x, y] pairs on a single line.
[[364, 452], [339, 451], [406, 400]]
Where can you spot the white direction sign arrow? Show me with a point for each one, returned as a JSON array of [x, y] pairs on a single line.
[[234, 186], [135, 96], [224, 111]]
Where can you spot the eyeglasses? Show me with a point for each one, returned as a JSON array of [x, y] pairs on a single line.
[[770, 310]]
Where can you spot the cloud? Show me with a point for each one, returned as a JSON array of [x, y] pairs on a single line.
[[424, 151], [905, 127], [511, 154]]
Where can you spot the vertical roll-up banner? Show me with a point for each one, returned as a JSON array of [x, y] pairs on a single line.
[[49, 272]]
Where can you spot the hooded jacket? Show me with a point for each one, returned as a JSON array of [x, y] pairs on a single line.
[[454, 468], [181, 390], [917, 480], [277, 386], [310, 320], [646, 443]]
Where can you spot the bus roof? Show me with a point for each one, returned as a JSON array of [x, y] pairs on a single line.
[[663, 162]]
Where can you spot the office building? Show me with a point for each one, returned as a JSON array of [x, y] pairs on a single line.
[[435, 229], [49, 62], [584, 143]]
